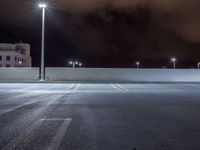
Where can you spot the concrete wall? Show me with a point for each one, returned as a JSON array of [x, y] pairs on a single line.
[[19, 74], [101, 75], [123, 75]]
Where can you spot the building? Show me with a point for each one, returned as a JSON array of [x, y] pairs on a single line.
[[15, 55]]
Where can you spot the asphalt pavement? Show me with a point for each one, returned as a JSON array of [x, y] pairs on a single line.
[[36, 116]]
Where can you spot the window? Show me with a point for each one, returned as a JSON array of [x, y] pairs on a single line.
[[23, 60], [0, 58], [0, 65], [7, 65], [7, 58], [15, 58]]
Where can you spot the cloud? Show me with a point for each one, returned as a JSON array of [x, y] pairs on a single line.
[[180, 16]]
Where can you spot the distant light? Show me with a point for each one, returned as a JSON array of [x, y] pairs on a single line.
[[137, 63], [20, 62], [70, 62], [173, 59], [80, 64], [43, 5], [76, 62]]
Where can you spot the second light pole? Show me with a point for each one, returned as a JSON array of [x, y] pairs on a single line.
[[73, 63], [137, 64], [174, 62], [42, 71]]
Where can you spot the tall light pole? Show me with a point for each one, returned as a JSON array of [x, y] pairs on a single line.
[[42, 71], [174, 62], [138, 64], [198, 65]]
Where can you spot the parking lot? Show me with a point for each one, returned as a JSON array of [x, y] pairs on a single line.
[[73, 116]]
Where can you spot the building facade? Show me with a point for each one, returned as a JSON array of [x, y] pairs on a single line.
[[15, 55]]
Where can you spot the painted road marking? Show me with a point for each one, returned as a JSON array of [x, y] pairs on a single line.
[[70, 86], [4, 110], [55, 143], [119, 88], [115, 87], [27, 132], [76, 88], [122, 87]]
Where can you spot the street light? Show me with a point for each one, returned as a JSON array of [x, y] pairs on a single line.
[[20, 62], [174, 62], [73, 63], [80, 65], [138, 64], [43, 6], [198, 65]]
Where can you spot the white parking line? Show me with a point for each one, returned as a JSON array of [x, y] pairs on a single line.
[[55, 143], [4, 110], [70, 86], [120, 86], [12, 145], [76, 88], [115, 87]]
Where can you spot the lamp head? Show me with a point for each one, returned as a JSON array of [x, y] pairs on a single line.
[[173, 59], [42, 5]]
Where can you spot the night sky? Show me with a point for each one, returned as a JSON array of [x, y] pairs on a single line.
[[107, 33]]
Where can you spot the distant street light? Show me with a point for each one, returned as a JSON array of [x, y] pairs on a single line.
[[43, 6], [198, 65], [20, 62], [73, 63], [80, 64], [138, 64], [174, 62]]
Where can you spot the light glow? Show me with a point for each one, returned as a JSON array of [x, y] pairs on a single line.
[[43, 5], [173, 59]]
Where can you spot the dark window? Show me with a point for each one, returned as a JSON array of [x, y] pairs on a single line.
[[0, 57], [15, 58], [7, 65], [7, 58]]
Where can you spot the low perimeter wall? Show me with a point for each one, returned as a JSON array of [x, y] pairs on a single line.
[[101, 75], [19, 74], [122, 75]]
